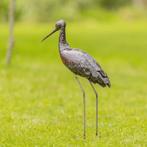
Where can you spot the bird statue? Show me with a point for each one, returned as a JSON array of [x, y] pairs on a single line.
[[81, 64]]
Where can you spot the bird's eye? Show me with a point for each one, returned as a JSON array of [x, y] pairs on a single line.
[[58, 26]]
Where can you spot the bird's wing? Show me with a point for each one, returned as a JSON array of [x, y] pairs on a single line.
[[84, 65], [76, 62], [95, 69], [97, 73]]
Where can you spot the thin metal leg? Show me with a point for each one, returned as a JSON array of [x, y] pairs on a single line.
[[84, 109], [96, 94]]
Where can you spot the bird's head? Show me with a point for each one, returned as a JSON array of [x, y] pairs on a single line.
[[59, 24]]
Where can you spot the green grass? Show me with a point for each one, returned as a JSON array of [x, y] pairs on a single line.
[[41, 103]]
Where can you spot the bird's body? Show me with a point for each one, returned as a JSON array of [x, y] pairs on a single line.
[[82, 64]]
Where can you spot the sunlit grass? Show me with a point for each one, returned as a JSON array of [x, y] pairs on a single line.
[[41, 104]]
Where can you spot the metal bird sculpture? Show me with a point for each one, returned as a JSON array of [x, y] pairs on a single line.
[[82, 64]]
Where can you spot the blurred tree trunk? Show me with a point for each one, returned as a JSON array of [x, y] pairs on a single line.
[[11, 31]]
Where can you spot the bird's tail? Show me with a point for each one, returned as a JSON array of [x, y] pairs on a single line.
[[107, 82], [104, 82]]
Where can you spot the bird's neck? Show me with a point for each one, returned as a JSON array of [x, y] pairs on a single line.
[[62, 39]]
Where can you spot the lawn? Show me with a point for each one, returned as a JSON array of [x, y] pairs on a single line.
[[41, 103]]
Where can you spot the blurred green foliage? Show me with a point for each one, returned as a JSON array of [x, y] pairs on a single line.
[[113, 4], [4, 10], [47, 10]]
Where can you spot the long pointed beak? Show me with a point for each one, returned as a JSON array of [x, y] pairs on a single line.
[[55, 30]]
